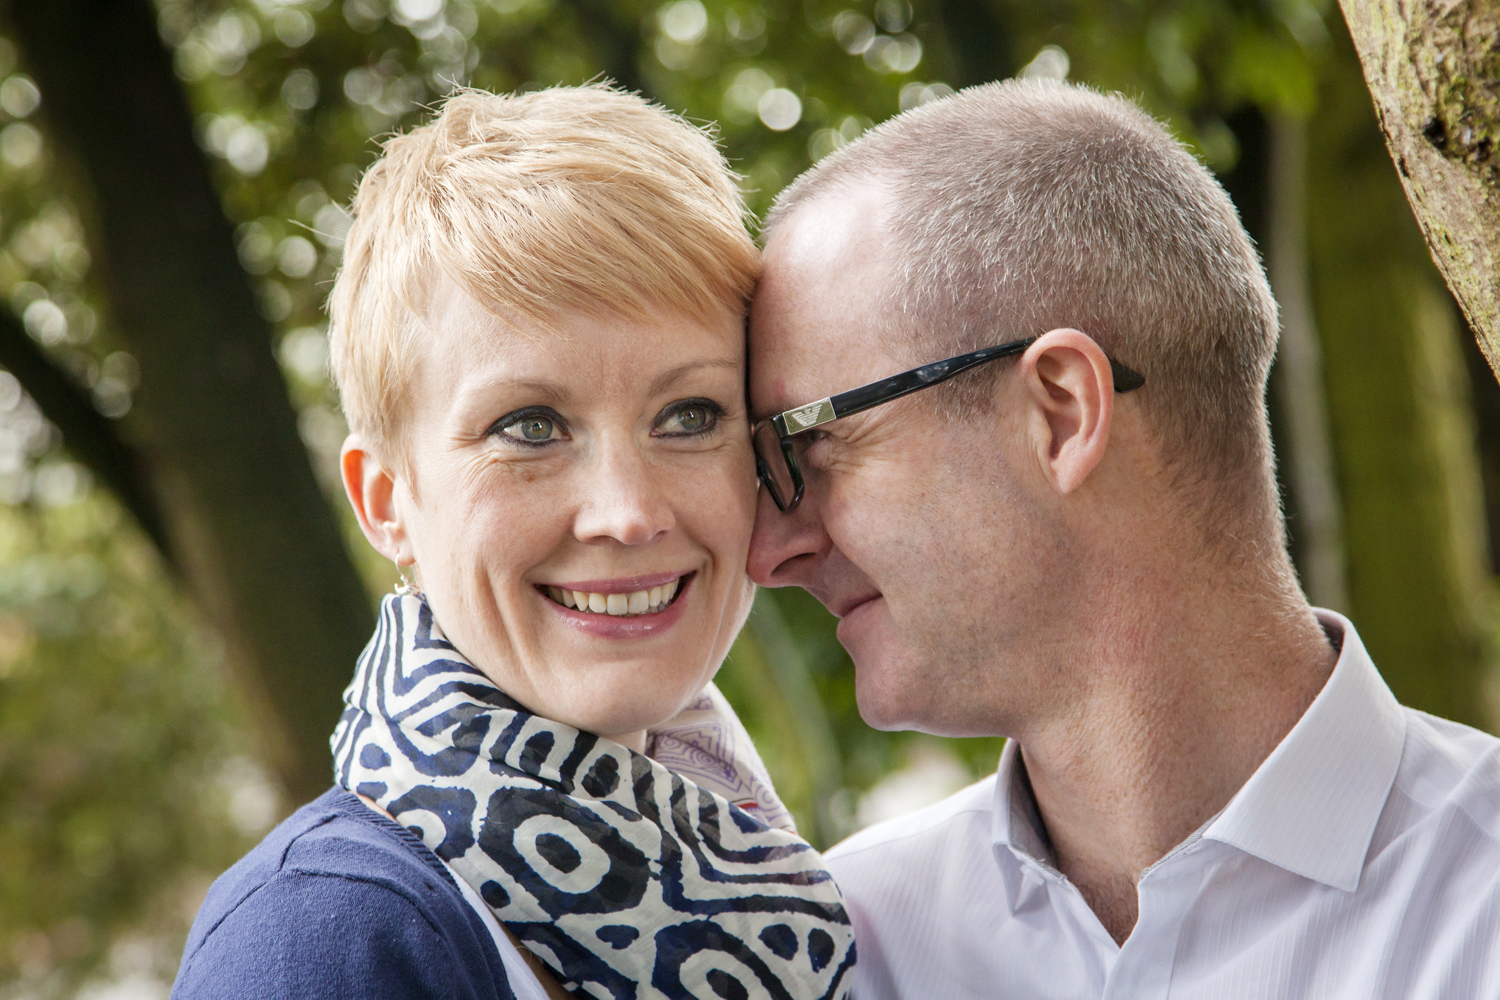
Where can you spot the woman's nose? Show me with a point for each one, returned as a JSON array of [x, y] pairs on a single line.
[[626, 500]]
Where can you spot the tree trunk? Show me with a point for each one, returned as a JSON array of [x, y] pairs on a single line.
[[1398, 402], [254, 537], [1433, 67]]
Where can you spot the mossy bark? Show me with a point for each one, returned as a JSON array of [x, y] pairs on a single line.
[[1433, 67], [1400, 409]]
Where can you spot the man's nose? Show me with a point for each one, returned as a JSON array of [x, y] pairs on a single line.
[[786, 548], [626, 501]]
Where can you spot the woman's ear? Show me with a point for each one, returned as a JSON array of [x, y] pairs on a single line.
[[371, 487], [1070, 389]]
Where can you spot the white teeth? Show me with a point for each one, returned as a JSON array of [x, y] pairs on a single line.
[[637, 602]]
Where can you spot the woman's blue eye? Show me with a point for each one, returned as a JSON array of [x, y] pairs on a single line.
[[694, 418], [691, 418], [535, 428], [532, 428]]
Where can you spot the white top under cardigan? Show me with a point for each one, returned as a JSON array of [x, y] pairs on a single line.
[[523, 982]]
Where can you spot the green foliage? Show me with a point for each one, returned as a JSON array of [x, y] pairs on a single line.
[[122, 781], [119, 777]]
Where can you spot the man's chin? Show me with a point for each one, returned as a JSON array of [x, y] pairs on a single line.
[[888, 681], [888, 700]]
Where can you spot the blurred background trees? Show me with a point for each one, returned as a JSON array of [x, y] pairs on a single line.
[[182, 592]]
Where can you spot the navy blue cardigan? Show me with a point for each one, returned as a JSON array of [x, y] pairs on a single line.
[[339, 902]]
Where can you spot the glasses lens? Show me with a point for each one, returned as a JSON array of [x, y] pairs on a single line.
[[772, 466]]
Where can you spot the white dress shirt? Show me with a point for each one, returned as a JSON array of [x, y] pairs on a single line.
[[1361, 860]]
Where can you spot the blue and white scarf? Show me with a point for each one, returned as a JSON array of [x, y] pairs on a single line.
[[626, 879]]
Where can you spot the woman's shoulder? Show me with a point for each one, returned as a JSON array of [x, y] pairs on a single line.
[[338, 901]]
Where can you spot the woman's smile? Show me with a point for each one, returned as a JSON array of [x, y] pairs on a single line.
[[646, 595], [661, 606]]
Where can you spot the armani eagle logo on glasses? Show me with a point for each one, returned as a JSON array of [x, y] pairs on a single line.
[[811, 414]]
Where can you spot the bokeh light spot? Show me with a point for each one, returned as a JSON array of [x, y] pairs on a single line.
[[20, 145], [893, 15], [294, 28], [684, 21], [299, 91], [1051, 63], [779, 109], [296, 257], [247, 150], [853, 31], [19, 96]]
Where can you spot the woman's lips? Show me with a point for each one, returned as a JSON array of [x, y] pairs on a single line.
[[620, 585], [624, 624]]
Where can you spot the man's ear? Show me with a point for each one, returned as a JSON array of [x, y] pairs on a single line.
[[371, 487], [1071, 391]]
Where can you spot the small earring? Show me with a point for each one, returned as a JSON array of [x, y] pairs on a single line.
[[405, 588]]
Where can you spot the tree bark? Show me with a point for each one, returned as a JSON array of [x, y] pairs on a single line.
[[1433, 67], [1398, 403], [255, 538]]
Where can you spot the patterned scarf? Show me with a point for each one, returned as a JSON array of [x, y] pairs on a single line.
[[626, 879]]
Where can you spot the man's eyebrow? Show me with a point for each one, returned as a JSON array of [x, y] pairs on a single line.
[[672, 376]]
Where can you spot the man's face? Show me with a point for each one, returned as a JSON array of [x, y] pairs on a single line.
[[932, 540]]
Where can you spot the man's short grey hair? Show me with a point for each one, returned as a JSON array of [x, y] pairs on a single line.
[[1025, 206]]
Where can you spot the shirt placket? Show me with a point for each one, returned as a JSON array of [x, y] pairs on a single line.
[[1165, 895]]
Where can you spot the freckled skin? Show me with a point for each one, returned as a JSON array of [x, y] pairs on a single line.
[[615, 492]]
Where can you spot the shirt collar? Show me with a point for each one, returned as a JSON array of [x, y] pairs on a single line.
[[1018, 837], [1018, 825], [1312, 806]]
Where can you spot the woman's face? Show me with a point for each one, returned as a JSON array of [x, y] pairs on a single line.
[[578, 505]]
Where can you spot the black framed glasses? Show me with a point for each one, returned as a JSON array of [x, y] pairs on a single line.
[[776, 445]]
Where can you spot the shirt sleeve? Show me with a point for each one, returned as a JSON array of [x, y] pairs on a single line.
[[306, 934]]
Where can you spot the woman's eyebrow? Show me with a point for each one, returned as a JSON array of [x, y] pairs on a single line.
[[672, 376], [483, 394]]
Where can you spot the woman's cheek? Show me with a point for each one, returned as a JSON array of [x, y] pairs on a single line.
[[728, 500]]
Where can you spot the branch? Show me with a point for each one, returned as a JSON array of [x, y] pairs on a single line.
[[88, 434]]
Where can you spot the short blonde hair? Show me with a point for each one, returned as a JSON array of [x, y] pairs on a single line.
[[1027, 205], [572, 198]]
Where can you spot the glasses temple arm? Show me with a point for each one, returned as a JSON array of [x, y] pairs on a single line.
[[887, 389]]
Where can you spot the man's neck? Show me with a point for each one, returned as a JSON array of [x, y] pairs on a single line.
[[1172, 726]]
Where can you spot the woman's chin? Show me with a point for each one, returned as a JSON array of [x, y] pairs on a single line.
[[629, 722]]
